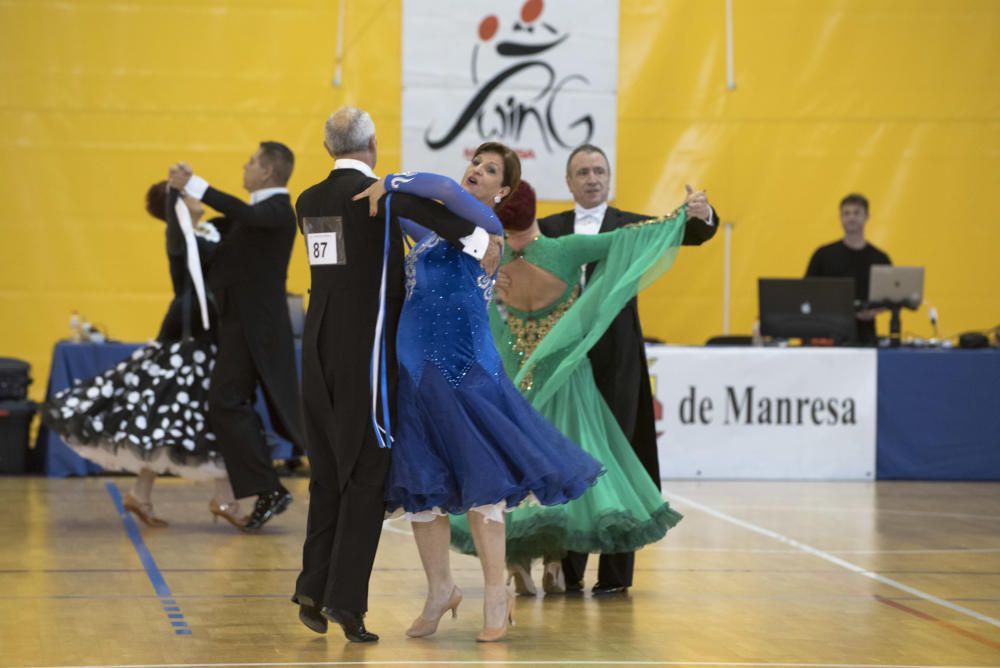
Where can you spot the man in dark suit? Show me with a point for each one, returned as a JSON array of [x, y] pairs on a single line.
[[255, 332], [619, 357], [346, 489]]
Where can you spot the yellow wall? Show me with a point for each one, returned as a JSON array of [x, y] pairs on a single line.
[[898, 99]]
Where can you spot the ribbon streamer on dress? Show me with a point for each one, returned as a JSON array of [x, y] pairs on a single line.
[[193, 260], [379, 378]]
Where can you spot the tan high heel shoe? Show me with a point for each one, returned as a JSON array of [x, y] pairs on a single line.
[[553, 580], [520, 574], [228, 511], [495, 634], [144, 511], [423, 627]]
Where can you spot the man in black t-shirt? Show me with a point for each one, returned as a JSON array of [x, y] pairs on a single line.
[[852, 257]]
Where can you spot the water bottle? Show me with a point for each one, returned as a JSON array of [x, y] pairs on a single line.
[[755, 338], [74, 327]]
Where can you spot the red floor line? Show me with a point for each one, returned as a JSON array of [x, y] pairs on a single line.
[[940, 622]]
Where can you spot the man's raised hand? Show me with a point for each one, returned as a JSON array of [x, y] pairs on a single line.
[[697, 203]]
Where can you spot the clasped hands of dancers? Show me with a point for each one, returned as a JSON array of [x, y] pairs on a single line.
[[430, 391]]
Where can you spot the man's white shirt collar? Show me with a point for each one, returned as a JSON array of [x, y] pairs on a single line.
[[597, 212], [589, 221], [258, 196], [351, 163]]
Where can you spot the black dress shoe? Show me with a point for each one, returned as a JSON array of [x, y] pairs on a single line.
[[353, 624], [605, 590], [268, 505], [574, 587], [309, 614], [294, 467]]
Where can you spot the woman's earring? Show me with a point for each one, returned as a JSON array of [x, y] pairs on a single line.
[[497, 198]]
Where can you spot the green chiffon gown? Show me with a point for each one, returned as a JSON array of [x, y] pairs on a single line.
[[545, 353]]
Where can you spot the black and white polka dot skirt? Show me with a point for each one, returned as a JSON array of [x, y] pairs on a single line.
[[149, 411]]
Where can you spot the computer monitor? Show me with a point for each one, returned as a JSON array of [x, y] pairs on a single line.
[[901, 286], [807, 308]]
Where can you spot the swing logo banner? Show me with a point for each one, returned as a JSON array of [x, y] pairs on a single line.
[[540, 77]]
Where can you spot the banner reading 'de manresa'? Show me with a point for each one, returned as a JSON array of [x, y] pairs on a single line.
[[541, 77], [765, 413]]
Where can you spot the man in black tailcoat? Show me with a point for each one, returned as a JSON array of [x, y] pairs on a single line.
[[255, 343], [619, 357], [346, 253]]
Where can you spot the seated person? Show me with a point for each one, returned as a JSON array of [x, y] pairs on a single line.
[[852, 257]]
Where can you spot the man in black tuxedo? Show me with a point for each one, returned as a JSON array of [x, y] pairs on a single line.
[[247, 280], [346, 489], [619, 357]]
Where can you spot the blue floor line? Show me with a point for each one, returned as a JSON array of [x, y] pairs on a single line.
[[148, 563]]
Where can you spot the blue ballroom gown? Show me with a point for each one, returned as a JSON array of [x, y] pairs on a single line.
[[464, 436]]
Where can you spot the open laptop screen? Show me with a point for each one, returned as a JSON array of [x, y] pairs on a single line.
[[807, 308]]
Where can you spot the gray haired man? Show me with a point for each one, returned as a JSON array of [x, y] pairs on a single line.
[[348, 467]]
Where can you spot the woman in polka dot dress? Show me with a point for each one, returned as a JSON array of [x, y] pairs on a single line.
[[148, 414]]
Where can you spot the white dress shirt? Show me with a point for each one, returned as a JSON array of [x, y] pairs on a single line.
[[588, 221], [260, 195]]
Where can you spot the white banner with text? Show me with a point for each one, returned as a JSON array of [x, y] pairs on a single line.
[[765, 413]]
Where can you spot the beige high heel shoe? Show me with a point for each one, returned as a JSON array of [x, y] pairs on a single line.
[[495, 634], [520, 574], [144, 511], [554, 580], [228, 511], [423, 627]]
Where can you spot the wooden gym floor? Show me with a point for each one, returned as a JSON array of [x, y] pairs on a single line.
[[758, 574]]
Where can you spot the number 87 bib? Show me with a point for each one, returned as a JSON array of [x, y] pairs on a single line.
[[324, 240]]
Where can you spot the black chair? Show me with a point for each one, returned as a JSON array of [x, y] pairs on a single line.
[[730, 340]]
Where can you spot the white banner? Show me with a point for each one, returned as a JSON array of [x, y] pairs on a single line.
[[541, 77], [765, 413]]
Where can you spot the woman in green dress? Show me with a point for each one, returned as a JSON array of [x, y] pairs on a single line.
[[543, 327]]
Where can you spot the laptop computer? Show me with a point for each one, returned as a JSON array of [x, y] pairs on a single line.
[[896, 285], [807, 308]]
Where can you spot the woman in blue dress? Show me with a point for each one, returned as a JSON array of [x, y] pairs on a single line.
[[465, 440]]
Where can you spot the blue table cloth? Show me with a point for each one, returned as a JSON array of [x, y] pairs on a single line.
[[938, 414]]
